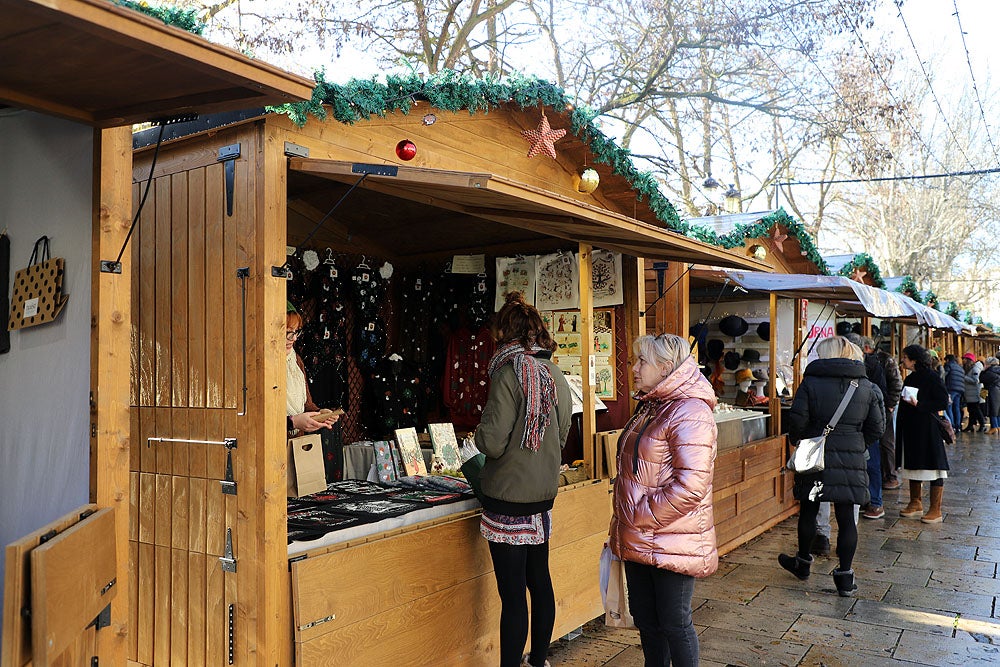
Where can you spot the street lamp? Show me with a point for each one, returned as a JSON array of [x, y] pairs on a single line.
[[733, 201]]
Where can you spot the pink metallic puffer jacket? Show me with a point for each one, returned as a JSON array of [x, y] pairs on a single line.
[[663, 498]]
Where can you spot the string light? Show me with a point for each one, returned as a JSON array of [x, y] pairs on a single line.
[[976, 172], [975, 88]]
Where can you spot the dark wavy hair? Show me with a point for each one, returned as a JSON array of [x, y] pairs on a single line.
[[521, 321], [918, 355]]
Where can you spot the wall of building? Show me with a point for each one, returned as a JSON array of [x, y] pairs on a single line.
[[46, 179]]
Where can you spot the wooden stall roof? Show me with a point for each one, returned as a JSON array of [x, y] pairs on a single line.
[[103, 65], [498, 199]]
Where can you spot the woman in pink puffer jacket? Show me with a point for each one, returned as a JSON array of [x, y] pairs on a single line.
[[663, 528]]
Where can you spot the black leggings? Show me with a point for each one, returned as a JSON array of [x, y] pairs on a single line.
[[847, 531], [975, 415], [518, 568]]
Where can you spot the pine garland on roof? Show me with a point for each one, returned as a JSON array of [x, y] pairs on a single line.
[[952, 310], [909, 288], [185, 19], [932, 300], [968, 317], [864, 261]]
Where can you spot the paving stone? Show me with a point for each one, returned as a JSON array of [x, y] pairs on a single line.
[[993, 555], [982, 630], [894, 574], [991, 529], [980, 541], [825, 656], [965, 583], [844, 634], [902, 617], [816, 603], [584, 652], [935, 548], [940, 600], [744, 649], [734, 591], [957, 565], [938, 651], [732, 616]]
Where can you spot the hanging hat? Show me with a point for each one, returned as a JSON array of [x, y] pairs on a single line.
[[714, 349], [843, 328], [733, 325], [856, 328], [743, 375], [764, 330], [752, 356], [731, 361], [760, 374]]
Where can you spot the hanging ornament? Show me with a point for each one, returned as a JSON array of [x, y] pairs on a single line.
[[859, 274], [587, 181], [543, 138], [406, 150], [779, 239]]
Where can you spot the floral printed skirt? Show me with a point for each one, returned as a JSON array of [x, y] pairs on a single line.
[[533, 529]]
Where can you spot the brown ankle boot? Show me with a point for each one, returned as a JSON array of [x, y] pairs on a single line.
[[915, 508], [934, 513]]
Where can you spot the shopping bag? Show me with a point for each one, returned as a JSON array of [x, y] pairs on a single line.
[[614, 592], [809, 455], [306, 470], [38, 297]]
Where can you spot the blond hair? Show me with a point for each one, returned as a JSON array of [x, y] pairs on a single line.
[[836, 347], [663, 349]]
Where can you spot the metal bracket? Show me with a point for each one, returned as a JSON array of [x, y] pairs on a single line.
[[318, 621], [228, 155], [226, 559], [375, 169], [232, 633], [281, 272], [110, 266], [243, 273], [229, 484], [294, 150], [296, 559], [103, 619]]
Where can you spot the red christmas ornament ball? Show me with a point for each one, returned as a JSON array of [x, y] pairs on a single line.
[[406, 150]]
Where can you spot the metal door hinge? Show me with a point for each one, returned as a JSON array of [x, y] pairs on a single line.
[[227, 560], [228, 155]]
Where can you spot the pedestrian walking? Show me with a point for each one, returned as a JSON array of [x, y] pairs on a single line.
[[990, 377], [972, 389], [662, 527], [893, 387], [875, 372], [955, 385], [844, 479], [524, 426], [920, 453]]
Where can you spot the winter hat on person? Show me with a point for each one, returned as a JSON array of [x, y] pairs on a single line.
[[731, 361], [856, 328], [933, 353], [843, 328], [969, 356], [733, 325]]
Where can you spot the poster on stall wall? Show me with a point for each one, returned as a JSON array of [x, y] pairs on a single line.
[[564, 327], [515, 274], [820, 323], [557, 282], [607, 278]]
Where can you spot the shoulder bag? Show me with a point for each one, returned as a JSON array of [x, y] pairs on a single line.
[[810, 453], [946, 429]]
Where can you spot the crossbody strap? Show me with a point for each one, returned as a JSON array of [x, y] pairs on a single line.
[[840, 408]]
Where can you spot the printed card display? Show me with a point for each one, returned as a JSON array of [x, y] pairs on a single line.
[[445, 444], [515, 274], [557, 281], [606, 278], [409, 448], [565, 328], [385, 461]]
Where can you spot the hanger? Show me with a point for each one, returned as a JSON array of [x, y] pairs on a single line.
[[364, 263], [329, 257]]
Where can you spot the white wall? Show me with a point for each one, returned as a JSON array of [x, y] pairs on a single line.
[[45, 189]]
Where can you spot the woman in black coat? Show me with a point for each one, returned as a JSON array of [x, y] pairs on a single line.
[[990, 377], [920, 454], [844, 480]]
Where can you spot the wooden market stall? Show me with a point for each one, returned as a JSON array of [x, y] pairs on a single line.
[[73, 75], [210, 303]]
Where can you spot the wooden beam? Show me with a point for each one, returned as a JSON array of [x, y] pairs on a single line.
[[587, 369], [774, 400], [634, 289], [110, 375]]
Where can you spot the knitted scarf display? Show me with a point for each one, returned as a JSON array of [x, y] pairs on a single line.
[[538, 385]]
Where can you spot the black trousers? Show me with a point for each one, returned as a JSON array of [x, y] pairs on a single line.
[[847, 531], [518, 568], [660, 603], [975, 415]]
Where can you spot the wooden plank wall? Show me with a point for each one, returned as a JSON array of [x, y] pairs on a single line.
[[383, 613], [187, 380]]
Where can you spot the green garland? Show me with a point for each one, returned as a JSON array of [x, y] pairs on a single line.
[[864, 261], [952, 310], [185, 19], [932, 300], [968, 317], [909, 288]]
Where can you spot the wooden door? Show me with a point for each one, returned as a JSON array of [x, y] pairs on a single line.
[[197, 228]]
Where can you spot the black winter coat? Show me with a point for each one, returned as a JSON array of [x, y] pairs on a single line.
[[918, 438], [955, 377], [845, 478], [990, 378]]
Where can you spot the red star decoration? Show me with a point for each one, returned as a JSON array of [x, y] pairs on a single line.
[[779, 239], [543, 138], [859, 275]]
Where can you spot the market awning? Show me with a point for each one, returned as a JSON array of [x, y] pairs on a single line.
[[498, 199], [872, 300], [103, 65]]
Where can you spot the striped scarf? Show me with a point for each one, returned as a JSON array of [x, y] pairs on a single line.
[[538, 386]]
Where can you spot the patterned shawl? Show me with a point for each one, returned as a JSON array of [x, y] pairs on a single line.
[[538, 385]]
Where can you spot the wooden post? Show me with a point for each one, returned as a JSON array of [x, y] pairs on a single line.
[[635, 306], [774, 402], [110, 364], [589, 421], [801, 321], [672, 310]]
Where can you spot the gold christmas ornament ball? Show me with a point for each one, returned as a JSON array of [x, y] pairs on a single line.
[[587, 181]]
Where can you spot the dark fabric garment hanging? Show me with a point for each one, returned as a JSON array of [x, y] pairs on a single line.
[[393, 397], [4, 292], [466, 375]]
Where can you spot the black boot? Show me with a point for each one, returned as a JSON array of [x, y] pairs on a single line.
[[797, 566], [820, 545], [844, 581]]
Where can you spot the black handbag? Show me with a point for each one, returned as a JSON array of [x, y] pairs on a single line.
[[946, 428]]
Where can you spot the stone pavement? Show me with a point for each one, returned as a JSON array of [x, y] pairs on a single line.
[[927, 594]]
